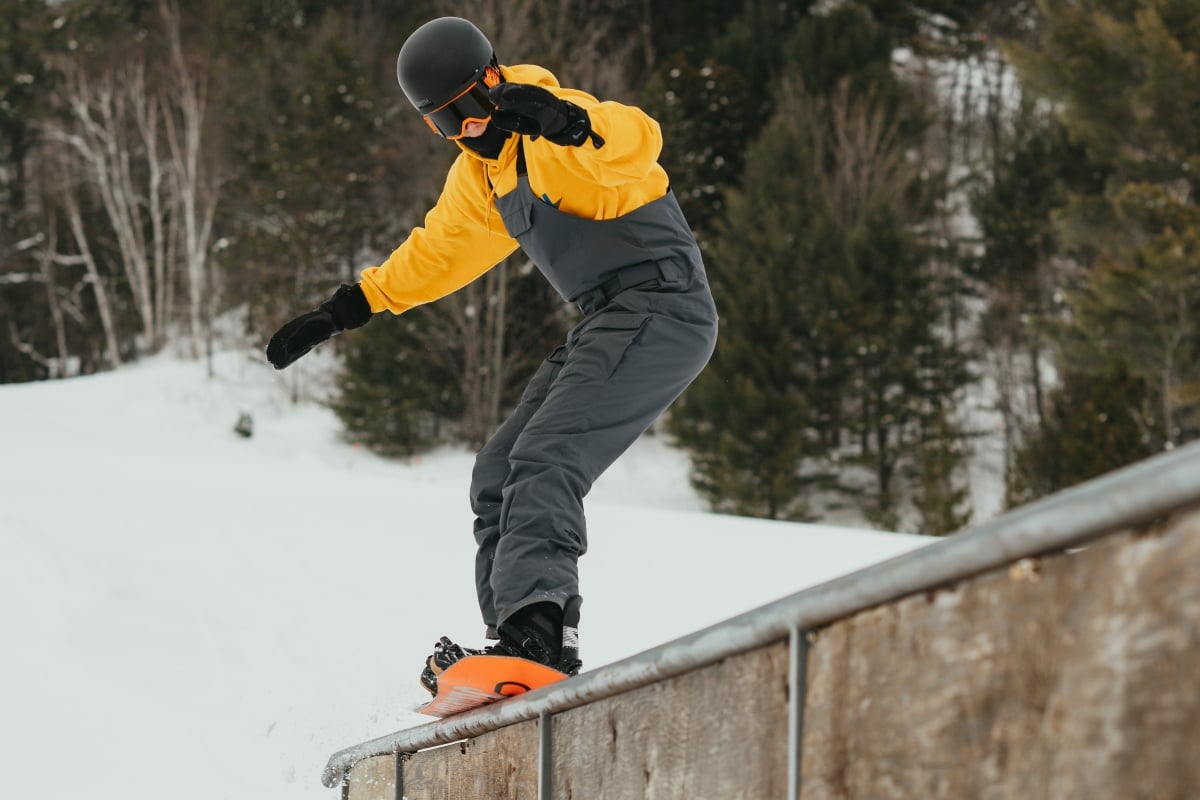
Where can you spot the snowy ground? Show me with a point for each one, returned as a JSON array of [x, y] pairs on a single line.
[[189, 614]]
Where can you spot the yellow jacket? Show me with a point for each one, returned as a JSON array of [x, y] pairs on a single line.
[[463, 236]]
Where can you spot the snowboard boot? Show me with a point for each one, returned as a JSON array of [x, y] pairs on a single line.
[[445, 653], [540, 632], [544, 633]]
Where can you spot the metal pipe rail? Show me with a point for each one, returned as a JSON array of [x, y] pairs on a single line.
[[1125, 498]]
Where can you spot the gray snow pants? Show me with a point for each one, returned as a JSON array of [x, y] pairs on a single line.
[[621, 367]]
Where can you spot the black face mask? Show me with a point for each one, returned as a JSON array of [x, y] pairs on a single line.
[[489, 144]]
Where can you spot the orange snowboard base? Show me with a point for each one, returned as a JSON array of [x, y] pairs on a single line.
[[478, 680]]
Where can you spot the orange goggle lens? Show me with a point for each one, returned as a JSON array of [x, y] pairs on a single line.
[[473, 105]]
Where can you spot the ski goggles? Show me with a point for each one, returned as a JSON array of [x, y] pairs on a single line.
[[473, 104]]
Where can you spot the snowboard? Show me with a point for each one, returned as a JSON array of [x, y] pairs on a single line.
[[478, 680]]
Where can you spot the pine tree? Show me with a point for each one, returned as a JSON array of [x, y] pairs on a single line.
[[311, 197], [903, 374], [829, 353], [1020, 270], [749, 421], [30, 39], [687, 29], [942, 498], [897, 371], [1126, 76], [327, 166], [1140, 309], [1091, 426], [706, 115], [389, 396]]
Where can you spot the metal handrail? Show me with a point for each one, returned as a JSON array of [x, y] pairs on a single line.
[[1125, 498]]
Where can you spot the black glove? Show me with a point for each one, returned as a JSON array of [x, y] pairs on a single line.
[[533, 111], [348, 308]]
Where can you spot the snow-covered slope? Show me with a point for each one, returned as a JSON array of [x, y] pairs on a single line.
[[189, 614]]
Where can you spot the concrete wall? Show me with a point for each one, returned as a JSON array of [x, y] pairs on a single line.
[[1075, 675]]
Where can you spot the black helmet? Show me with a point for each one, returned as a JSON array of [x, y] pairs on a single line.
[[445, 68]]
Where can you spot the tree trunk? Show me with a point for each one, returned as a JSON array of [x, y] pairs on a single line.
[[195, 198], [104, 309], [46, 265]]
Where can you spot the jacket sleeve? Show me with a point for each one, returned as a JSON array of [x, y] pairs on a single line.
[[632, 140], [462, 238]]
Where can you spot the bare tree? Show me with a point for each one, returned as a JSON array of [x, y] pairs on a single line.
[[46, 266], [42, 248], [113, 131], [466, 335], [857, 151], [195, 194], [70, 204], [137, 147]]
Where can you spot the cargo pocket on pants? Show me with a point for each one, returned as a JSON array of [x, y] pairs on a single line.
[[539, 384], [604, 342]]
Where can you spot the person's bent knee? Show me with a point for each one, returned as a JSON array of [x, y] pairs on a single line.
[[487, 479]]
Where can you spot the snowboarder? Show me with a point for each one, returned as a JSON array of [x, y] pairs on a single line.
[[575, 183]]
